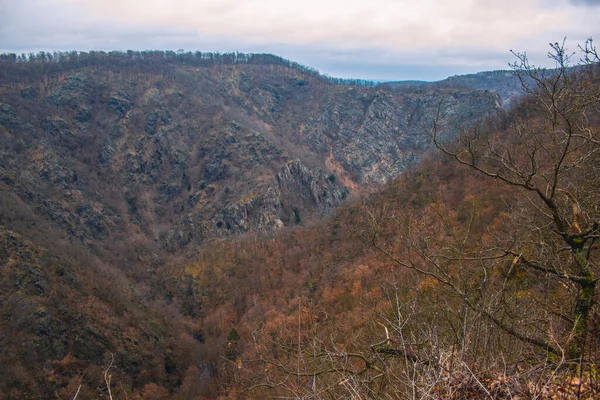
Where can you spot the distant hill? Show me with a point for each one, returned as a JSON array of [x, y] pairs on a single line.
[[503, 82]]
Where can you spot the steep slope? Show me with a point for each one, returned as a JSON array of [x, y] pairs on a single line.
[[453, 281], [67, 315], [112, 166], [179, 152]]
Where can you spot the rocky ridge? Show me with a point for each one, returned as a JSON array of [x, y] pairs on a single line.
[[210, 151]]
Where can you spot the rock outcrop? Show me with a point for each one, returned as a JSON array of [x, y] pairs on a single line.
[[210, 151]]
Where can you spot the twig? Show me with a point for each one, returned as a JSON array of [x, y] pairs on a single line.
[[107, 377], [77, 393]]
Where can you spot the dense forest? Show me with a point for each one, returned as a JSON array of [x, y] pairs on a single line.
[[20, 67], [199, 225]]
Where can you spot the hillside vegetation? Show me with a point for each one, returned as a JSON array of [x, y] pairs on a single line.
[[237, 226], [113, 165], [473, 275]]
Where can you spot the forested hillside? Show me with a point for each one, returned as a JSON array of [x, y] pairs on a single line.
[[114, 164], [178, 225], [471, 276]]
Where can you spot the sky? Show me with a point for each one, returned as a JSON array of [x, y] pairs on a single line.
[[364, 39]]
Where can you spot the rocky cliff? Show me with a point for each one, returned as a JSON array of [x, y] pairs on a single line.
[[183, 153]]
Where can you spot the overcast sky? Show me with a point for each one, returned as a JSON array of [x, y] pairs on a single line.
[[369, 39]]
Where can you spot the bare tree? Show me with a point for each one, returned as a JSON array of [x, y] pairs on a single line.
[[551, 153]]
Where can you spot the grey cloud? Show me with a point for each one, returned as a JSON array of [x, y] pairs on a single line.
[[83, 33], [34, 25], [380, 64], [586, 2]]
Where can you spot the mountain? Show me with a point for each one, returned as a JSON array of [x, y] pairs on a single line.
[[116, 168], [178, 152], [504, 82]]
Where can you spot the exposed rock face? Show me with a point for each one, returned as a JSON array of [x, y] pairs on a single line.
[[260, 212], [362, 131], [77, 90], [120, 103], [375, 135], [212, 151], [312, 189]]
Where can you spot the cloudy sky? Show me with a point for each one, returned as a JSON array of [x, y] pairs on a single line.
[[369, 39]]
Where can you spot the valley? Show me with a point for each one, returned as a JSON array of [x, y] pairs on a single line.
[[208, 225]]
